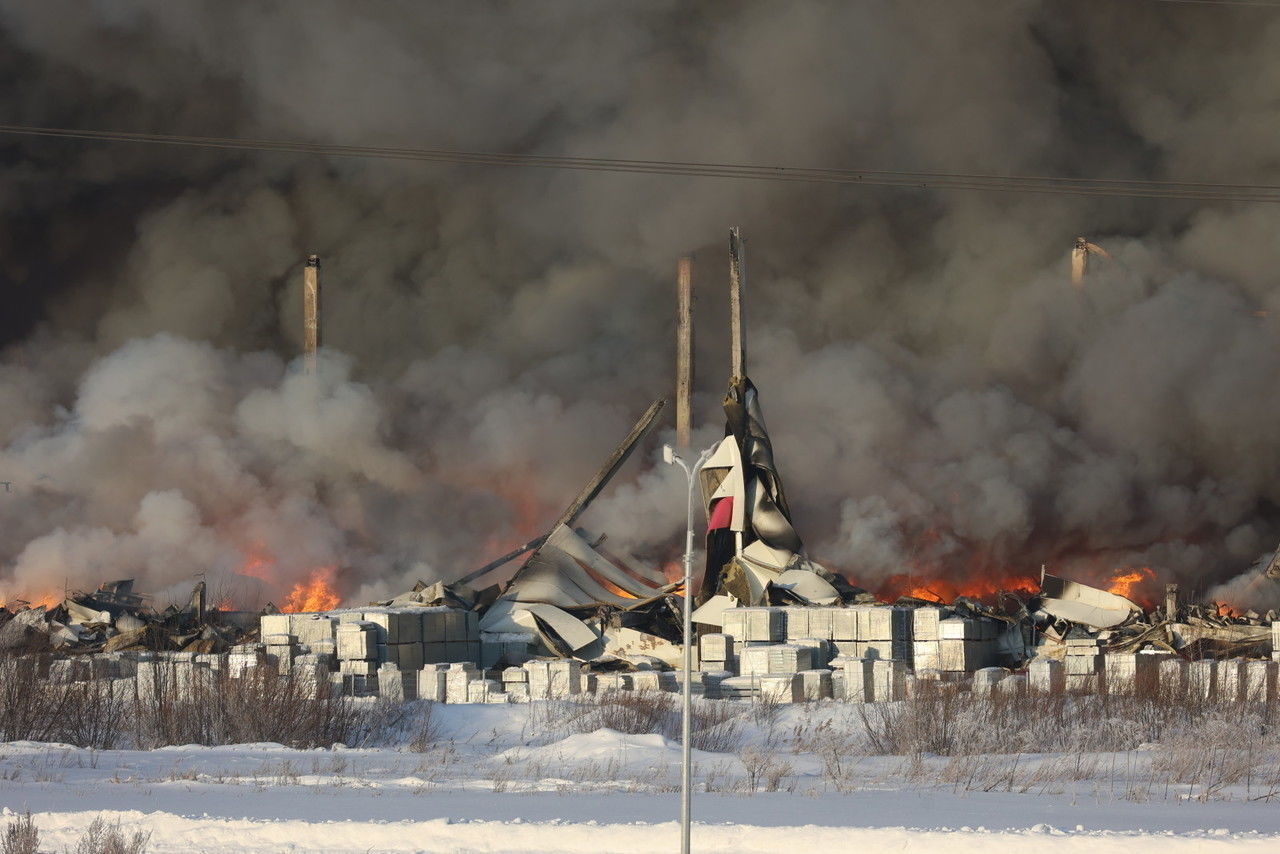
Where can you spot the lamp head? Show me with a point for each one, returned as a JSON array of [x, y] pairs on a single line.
[[668, 454]]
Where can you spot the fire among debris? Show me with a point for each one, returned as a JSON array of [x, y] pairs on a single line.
[[770, 619], [314, 594]]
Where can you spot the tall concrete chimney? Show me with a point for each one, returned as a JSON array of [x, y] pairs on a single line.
[[311, 311], [684, 351]]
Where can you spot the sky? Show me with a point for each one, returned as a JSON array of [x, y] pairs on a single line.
[[943, 403]]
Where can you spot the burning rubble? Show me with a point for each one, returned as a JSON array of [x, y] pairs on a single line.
[[771, 621]]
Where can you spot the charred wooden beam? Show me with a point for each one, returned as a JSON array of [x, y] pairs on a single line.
[[588, 493]]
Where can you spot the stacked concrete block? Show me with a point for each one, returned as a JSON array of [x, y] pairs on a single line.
[[781, 688], [886, 632], [312, 629], [1202, 679], [539, 679], [1046, 676], [815, 684], [739, 687], [564, 678], [1260, 681], [985, 680], [711, 681], [820, 623], [1131, 673], [795, 622], [820, 652], [1174, 676], [966, 644], [390, 684], [784, 658], [753, 660], [763, 625], [485, 691], [646, 680], [274, 624], [358, 668], [716, 651], [507, 648], [851, 680], [310, 672], [281, 651], [926, 639], [1083, 663], [606, 682], [357, 641], [1232, 684], [406, 656], [734, 624], [888, 680], [844, 625], [1012, 685], [431, 683], [1275, 640], [242, 658], [457, 678]]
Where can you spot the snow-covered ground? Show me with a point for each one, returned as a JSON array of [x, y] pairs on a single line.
[[514, 778]]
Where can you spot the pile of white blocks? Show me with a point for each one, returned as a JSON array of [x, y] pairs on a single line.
[[1046, 676], [966, 645], [1083, 662], [360, 642], [1132, 672]]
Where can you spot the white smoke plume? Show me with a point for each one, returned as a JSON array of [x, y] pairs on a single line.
[[938, 394]]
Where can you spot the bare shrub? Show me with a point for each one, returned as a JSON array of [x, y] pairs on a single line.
[[201, 706], [927, 723], [103, 837], [95, 714], [21, 836], [765, 768], [427, 729], [30, 707]]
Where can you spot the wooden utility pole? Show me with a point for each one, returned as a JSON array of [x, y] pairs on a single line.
[[311, 311], [684, 351], [737, 275]]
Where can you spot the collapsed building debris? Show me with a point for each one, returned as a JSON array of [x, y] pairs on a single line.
[[773, 624], [115, 618]]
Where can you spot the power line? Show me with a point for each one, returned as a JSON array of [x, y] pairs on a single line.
[[1053, 185], [1267, 4]]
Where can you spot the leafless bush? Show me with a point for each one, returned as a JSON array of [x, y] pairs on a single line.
[[200, 706], [21, 836], [939, 719], [95, 714], [427, 730], [30, 707], [765, 768], [102, 837]]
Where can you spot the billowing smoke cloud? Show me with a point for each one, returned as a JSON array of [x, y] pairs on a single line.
[[940, 398]]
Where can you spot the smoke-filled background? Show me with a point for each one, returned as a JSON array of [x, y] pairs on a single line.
[[941, 400]]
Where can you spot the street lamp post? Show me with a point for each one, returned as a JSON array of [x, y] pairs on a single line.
[[670, 457]]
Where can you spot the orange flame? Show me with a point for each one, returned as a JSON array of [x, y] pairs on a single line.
[[46, 599], [314, 594], [1127, 581]]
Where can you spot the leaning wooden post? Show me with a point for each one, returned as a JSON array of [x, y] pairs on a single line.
[[311, 311], [737, 274], [684, 351]]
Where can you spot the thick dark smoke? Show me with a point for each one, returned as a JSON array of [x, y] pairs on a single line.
[[939, 394]]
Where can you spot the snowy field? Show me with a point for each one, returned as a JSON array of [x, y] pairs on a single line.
[[524, 778]]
